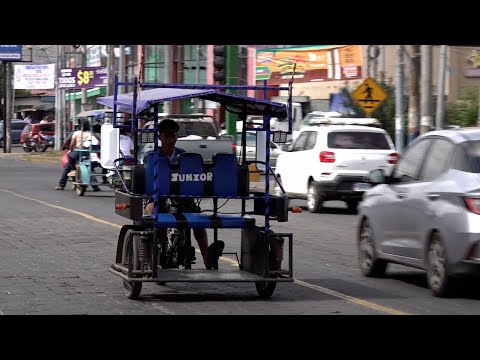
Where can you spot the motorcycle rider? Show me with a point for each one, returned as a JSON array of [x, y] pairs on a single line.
[[77, 142]]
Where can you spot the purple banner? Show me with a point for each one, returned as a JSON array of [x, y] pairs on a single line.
[[82, 78]]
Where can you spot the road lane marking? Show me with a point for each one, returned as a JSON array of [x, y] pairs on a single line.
[[355, 300], [337, 294], [90, 217]]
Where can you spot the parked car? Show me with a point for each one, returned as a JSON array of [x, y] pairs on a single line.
[[16, 130], [30, 131], [329, 162], [198, 133], [251, 148], [426, 214]]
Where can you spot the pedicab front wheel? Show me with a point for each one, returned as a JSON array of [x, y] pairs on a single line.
[[131, 289], [80, 189]]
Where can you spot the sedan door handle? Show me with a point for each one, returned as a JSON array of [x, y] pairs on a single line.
[[433, 196], [401, 195]]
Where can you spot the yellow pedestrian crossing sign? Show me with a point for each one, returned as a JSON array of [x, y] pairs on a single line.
[[369, 95]]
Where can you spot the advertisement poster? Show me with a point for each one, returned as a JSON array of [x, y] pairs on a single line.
[[30, 77], [308, 64], [82, 78]]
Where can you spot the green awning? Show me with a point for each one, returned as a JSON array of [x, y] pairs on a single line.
[[70, 95]]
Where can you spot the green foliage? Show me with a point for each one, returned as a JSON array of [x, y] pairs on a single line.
[[385, 113], [464, 111]]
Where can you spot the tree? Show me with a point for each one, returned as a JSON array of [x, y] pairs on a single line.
[[464, 111]]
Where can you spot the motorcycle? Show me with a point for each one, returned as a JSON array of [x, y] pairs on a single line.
[[43, 141]]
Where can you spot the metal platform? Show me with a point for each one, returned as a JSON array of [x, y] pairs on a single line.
[[198, 275]]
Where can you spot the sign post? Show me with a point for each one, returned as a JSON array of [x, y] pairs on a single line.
[[369, 95]]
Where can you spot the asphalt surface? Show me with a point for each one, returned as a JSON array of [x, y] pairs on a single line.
[[57, 247]]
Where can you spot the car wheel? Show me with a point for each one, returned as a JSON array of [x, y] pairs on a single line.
[[439, 281], [370, 264], [314, 198]]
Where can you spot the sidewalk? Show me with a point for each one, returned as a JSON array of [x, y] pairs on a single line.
[[47, 156]]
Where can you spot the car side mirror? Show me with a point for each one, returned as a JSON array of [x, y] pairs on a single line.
[[286, 147], [376, 176]]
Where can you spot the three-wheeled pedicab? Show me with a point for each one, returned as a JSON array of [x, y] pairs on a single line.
[[157, 248]]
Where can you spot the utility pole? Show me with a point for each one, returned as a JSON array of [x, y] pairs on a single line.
[[84, 91], [441, 87], [4, 108], [383, 68], [413, 100], [399, 99], [167, 75], [58, 102], [197, 76], [121, 68], [231, 79], [110, 69], [426, 122]]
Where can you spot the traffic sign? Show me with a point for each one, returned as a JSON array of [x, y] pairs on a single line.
[[369, 95]]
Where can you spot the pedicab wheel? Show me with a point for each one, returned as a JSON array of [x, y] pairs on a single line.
[[131, 289], [265, 289], [80, 189]]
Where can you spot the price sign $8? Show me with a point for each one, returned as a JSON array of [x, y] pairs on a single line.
[[84, 77]]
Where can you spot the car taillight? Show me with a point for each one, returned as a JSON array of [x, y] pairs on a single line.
[[392, 158], [473, 203], [327, 157], [234, 147]]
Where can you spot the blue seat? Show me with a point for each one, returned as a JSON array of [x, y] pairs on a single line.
[[191, 177], [203, 221]]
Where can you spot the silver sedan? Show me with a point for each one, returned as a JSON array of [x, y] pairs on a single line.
[[427, 213]]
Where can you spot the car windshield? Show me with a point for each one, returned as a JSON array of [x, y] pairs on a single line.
[[251, 139], [357, 140]]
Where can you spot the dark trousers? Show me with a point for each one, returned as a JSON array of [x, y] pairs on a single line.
[[73, 157]]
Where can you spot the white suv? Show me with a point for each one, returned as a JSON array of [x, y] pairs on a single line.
[[328, 162]]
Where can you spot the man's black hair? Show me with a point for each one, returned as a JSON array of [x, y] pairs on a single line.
[[168, 124]]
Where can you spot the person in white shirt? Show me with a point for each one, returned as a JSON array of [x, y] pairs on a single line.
[[126, 144], [81, 139]]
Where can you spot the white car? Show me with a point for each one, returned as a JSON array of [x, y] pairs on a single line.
[[329, 162], [251, 148]]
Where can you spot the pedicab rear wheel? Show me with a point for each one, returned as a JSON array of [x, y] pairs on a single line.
[[265, 289], [131, 289]]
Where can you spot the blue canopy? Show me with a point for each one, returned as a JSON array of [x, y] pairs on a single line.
[[232, 102]]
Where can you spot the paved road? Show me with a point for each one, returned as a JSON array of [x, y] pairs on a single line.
[[56, 248]]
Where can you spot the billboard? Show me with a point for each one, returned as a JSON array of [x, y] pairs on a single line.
[[82, 78], [29, 77], [10, 52], [309, 63]]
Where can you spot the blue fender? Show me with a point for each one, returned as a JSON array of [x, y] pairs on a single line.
[[84, 173]]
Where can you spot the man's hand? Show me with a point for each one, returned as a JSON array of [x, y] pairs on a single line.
[[149, 209]]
